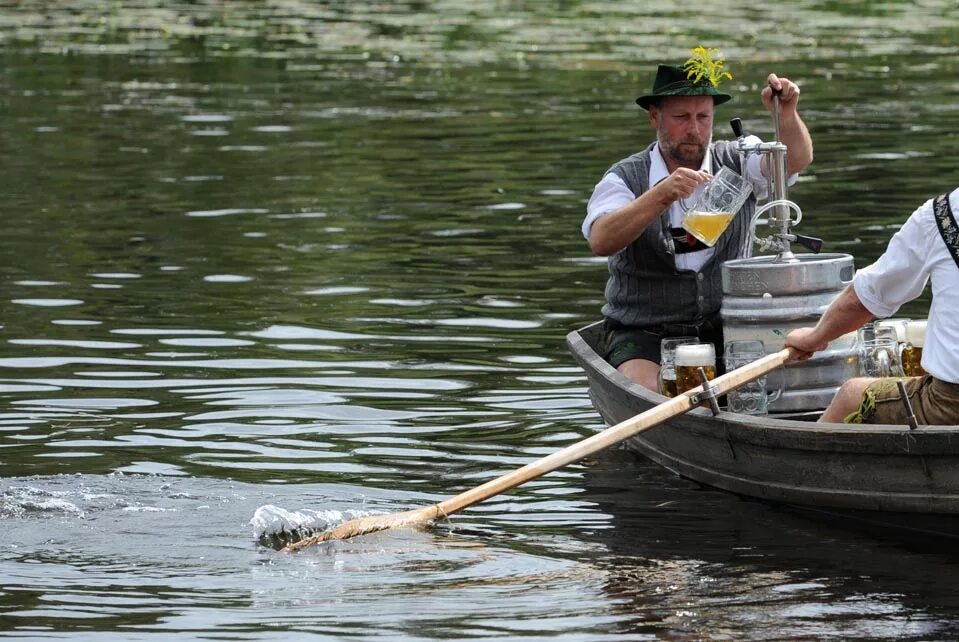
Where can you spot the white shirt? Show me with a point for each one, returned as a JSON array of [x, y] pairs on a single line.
[[915, 254], [611, 193]]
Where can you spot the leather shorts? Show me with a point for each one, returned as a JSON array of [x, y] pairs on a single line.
[[935, 402], [624, 343]]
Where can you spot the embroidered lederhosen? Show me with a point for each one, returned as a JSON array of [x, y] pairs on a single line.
[[934, 401], [946, 223]]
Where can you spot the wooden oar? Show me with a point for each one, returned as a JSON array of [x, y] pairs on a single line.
[[573, 453]]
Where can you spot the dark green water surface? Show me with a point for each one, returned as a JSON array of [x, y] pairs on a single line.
[[324, 256]]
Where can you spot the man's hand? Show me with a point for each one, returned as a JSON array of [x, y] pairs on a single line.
[[680, 184], [805, 342], [788, 95]]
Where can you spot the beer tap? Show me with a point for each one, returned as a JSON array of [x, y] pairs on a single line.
[[774, 156]]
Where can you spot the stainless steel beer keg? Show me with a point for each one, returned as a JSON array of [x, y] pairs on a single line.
[[764, 298]]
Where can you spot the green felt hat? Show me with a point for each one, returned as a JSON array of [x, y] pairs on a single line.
[[672, 80]]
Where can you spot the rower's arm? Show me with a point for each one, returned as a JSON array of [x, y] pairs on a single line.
[[845, 314]]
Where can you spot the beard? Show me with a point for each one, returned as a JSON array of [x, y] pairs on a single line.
[[687, 152]]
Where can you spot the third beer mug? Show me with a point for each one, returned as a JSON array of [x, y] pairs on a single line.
[[911, 355], [689, 358], [898, 324], [878, 351]]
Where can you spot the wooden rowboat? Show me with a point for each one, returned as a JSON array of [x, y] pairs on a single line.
[[885, 474]]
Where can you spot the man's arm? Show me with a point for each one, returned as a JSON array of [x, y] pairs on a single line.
[[845, 314], [792, 129], [612, 232]]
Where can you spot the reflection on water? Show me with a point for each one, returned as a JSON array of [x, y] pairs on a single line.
[[322, 257], [684, 558]]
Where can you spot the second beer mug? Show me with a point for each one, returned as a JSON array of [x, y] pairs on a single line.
[[667, 363], [911, 355], [689, 358]]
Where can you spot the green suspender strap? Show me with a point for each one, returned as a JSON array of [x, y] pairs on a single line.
[[947, 225]]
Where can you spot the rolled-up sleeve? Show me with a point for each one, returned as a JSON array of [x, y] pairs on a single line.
[[901, 273], [609, 195]]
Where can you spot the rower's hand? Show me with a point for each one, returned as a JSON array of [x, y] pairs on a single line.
[[788, 94], [681, 184], [804, 344]]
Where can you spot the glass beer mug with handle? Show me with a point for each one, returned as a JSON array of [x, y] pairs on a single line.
[[878, 349], [690, 357], [910, 354], [667, 363], [721, 198], [899, 324], [752, 398]]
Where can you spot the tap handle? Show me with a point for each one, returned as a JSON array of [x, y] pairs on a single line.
[[776, 94], [809, 242], [737, 125]]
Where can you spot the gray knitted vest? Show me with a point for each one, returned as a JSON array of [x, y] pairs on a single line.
[[644, 286]]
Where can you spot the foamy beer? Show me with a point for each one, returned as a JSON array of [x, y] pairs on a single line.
[[911, 356], [689, 358]]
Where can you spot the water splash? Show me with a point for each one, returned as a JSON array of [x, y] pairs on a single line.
[[276, 527], [23, 501]]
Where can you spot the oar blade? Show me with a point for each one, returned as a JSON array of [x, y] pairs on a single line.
[[417, 518]]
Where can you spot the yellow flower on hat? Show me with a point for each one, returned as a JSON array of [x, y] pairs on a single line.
[[708, 64]]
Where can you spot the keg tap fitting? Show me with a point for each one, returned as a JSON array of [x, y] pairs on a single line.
[[774, 157]]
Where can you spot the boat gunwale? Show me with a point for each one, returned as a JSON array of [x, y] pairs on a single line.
[[876, 438]]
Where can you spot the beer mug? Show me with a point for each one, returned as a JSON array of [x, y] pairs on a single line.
[[667, 363], [752, 398], [689, 358], [878, 349], [911, 350], [721, 198], [898, 324]]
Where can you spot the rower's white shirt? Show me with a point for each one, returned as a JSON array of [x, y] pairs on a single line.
[[611, 193], [915, 254]]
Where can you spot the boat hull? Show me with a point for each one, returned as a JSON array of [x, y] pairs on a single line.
[[873, 468]]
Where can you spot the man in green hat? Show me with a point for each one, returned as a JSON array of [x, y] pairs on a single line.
[[663, 281]]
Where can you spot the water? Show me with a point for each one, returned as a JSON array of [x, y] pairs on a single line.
[[322, 257]]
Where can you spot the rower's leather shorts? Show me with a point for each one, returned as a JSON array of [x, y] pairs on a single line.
[[934, 402]]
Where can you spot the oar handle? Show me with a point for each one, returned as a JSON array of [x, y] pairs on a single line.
[[613, 435]]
